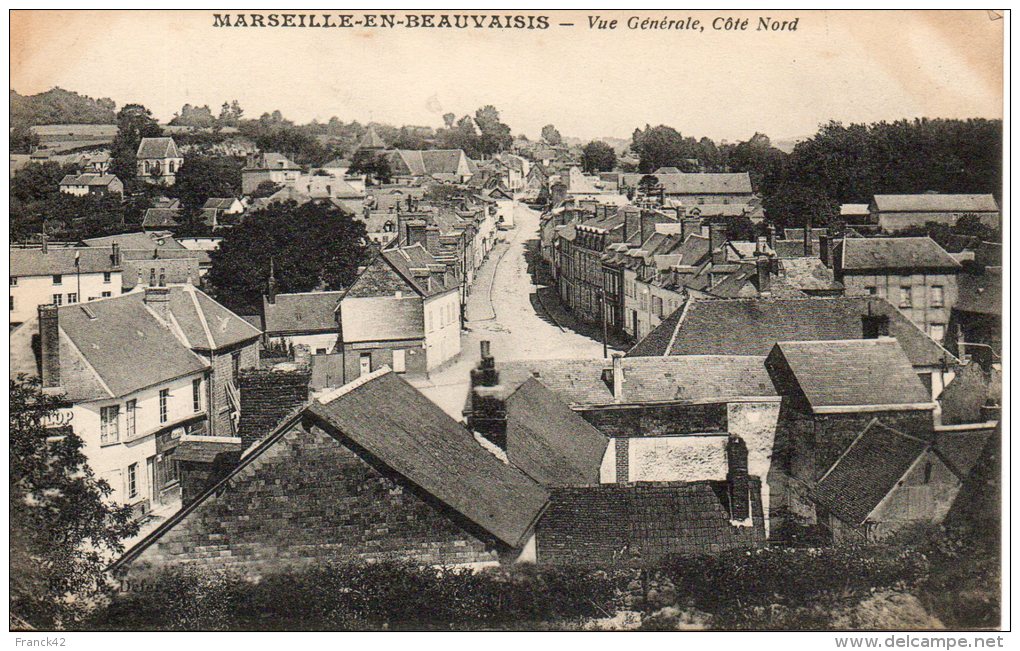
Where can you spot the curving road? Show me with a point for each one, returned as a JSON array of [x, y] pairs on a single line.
[[502, 309]]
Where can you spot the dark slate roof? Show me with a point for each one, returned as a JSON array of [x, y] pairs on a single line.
[[752, 326], [703, 378], [980, 294], [205, 451], [160, 217], [267, 398], [879, 253], [961, 449], [936, 203], [157, 148], [643, 523], [405, 259], [206, 324], [401, 428], [852, 373], [381, 318], [877, 459], [33, 262], [308, 312], [125, 346], [549, 441], [793, 248], [219, 203]]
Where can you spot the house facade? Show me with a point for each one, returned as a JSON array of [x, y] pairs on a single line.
[[61, 276], [81, 185], [268, 167], [897, 212]]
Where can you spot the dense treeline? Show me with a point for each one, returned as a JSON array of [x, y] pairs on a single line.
[[59, 106]]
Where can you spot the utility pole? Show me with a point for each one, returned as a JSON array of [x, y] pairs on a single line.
[[602, 313]]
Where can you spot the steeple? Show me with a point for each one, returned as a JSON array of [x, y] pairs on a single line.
[[271, 293]]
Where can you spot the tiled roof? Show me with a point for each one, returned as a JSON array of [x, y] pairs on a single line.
[[219, 203], [752, 326], [274, 161], [157, 148], [730, 183], [643, 523], [709, 210], [793, 248], [160, 218], [305, 313], [798, 234], [852, 373], [426, 162], [936, 203], [962, 449], [877, 459], [33, 262], [408, 433], [549, 441], [204, 451], [381, 318], [704, 378], [406, 259], [140, 241], [207, 325], [877, 253], [854, 209], [124, 345], [980, 294], [372, 140], [98, 180], [267, 398], [808, 274]]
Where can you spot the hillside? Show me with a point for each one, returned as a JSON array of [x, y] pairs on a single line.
[[59, 106]]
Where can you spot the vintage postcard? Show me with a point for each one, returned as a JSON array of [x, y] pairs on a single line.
[[508, 320]]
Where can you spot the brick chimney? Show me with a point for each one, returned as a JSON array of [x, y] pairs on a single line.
[[432, 239], [45, 246], [763, 268], [689, 226], [415, 232], [642, 225], [737, 480], [49, 346], [771, 236], [617, 378], [267, 397], [825, 250], [115, 258], [716, 240], [808, 243], [158, 300], [487, 414]]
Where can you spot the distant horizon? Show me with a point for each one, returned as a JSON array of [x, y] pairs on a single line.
[[850, 67]]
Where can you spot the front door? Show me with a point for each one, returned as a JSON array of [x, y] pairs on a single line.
[[366, 363]]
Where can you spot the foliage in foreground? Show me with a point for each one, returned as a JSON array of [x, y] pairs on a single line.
[[773, 588]]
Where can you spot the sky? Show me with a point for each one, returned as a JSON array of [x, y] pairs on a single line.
[[862, 66]]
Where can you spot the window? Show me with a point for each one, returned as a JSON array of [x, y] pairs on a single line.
[[235, 365], [106, 277], [14, 281], [871, 290], [132, 481], [164, 397], [72, 298], [106, 295], [196, 395], [906, 300], [130, 409], [109, 424], [58, 279], [58, 299], [937, 331], [937, 296]]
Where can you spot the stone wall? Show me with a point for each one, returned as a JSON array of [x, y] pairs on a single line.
[[658, 421]]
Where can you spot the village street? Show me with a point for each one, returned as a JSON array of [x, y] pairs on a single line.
[[504, 309]]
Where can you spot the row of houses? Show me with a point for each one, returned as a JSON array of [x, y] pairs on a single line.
[[624, 461]]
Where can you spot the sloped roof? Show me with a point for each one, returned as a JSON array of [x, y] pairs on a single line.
[[850, 373], [854, 209], [33, 262], [962, 449], [139, 241], [207, 325], [980, 294], [870, 468], [708, 210], [808, 274], [160, 218], [381, 318], [695, 183], [371, 140], [406, 258], [273, 161], [425, 162], [549, 441], [124, 345], [98, 180], [219, 203], [401, 428], [157, 148], [752, 326], [936, 203], [703, 378], [306, 312], [868, 253]]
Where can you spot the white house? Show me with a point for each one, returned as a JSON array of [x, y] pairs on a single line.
[[136, 373], [61, 276]]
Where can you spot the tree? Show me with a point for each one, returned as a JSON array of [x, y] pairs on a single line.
[[202, 177], [494, 135], [598, 156], [551, 135], [448, 119], [194, 116], [64, 530], [134, 122], [266, 189], [313, 246], [649, 184], [375, 166], [664, 146], [23, 139], [230, 114]]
